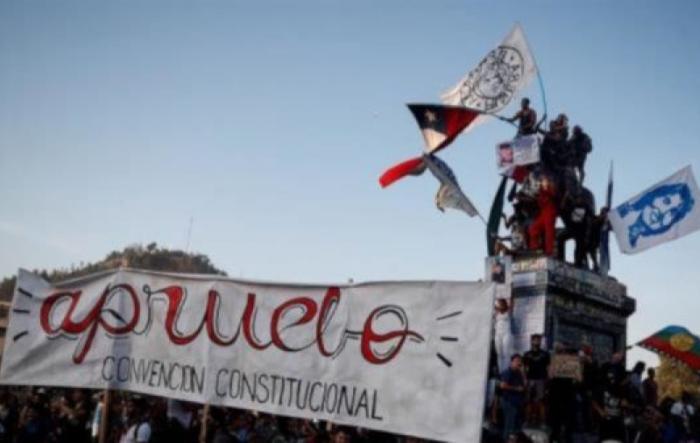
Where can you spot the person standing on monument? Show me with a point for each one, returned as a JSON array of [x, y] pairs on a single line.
[[503, 332], [512, 387], [526, 117], [580, 145], [536, 362], [650, 388], [541, 233]]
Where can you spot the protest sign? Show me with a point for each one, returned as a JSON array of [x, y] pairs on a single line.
[[404, 357]]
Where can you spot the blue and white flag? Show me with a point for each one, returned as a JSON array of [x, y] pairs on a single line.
[[449, 195], [666, 211]]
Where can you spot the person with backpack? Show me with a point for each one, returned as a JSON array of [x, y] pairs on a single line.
[[685, 410], [138, 425]]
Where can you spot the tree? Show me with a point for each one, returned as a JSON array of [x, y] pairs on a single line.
[[134, 256]]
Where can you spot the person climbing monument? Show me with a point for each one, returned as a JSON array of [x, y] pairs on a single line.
[[580, 145], [526, 117], [541, 233]]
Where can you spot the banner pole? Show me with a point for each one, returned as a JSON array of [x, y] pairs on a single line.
[[104, 416], [539, 75], [203, 427]]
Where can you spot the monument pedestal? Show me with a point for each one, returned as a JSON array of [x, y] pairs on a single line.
[[569, 305]]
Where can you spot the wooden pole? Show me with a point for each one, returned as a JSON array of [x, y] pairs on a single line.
[[104, 418], [204, 424]]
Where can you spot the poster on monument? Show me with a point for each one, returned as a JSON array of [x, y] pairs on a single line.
[[499, 271], [527, 313], [520, 151]]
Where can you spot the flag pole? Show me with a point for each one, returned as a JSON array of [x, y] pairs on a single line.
[[205, 420], [539, 75], [104, 416]]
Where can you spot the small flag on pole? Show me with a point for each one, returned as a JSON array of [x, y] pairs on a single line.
[[666, 211]]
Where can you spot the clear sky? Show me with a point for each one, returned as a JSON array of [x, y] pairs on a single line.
[[268, 124]]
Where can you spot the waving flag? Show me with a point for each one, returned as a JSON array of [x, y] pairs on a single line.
[[677, 343], [666, 211], [449, 194], [440, 124], [497, 79], [414, 166], [495, 217]]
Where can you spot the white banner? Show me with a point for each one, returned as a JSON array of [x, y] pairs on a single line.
[[403, 357], [668, 210], [497, 79]]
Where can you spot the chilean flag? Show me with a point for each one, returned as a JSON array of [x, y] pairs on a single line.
[[441, 124]]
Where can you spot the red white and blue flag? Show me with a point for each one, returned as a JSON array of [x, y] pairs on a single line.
[[441, 124]]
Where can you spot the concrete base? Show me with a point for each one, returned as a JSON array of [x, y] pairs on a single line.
[[569, 305]]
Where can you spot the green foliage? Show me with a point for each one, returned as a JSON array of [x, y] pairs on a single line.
[[150, 257]]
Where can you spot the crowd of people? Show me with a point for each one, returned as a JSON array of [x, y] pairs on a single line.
[[531, 401], [53, 415], [527, 402]]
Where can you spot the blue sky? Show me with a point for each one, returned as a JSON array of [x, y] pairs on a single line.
[[268, 123]]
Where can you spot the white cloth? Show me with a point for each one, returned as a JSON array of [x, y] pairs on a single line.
[[140, 433], [500, 75], [685, 411], [177, 411], [96, 419], [503, 339]]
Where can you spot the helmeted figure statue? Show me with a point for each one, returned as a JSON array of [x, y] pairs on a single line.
[[580, 145], [577, 211]]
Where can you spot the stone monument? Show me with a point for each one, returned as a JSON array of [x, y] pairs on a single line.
[[569, 305]]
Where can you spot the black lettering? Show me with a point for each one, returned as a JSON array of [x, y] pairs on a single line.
[[247, 384], [263, 387], [173, 386], [235, 373], [218, 379], [327, 398], [362, 403], [374, 407], [153, 374], [198, 379], [291, 390], [344, 400], [274, 386], [104, 365], [302, 405], [121, 376], [311, 396]]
